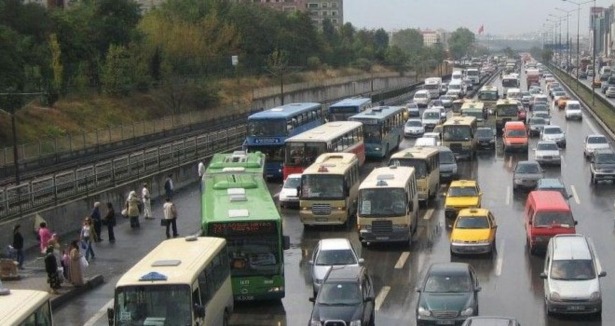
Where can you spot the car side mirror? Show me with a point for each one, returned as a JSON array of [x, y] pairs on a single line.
[[602, 274], [361, 261], [495, 227], [199, 311], [569, 196], [312, 300], [411, 207], [298, 191], [543, 275], [576, 222]]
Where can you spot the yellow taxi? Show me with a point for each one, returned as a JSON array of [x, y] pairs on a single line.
[[461, 194], [473, 232]]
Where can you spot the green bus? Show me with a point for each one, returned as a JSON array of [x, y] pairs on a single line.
[[237, 161], [236, 205]]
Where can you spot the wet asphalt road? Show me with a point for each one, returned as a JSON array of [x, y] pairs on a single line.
[[510, 280]]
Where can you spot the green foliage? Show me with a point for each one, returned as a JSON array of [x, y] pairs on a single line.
[[314, 63], [547, 55], [460, 42], [397, 58], [363, 64], [117, 71], [409, 40]]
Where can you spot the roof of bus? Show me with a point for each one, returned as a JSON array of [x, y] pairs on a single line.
[[506, 102], [473, 105], [352, 101], [333, 163], [419, 152], [179, 260], [489, 88], [237, 161], [388, 176], [18, 303], [284, 111], [327, 131], [459, 120], [378, 112], [234, 197]]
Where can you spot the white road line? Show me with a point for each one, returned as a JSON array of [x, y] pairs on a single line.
[[428, 214], [508, 195], [276, 195], [381, 296], [591, 126], [99, 314], [509, 162], [575, 195], [500, 260], [562, 160], [402, 260]]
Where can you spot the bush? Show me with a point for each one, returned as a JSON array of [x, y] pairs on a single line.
[[314, 63], [363, 64]]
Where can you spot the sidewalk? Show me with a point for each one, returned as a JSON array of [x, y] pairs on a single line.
[[112, 259]]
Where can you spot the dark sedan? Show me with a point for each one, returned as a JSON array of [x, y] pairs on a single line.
[[485, 138]]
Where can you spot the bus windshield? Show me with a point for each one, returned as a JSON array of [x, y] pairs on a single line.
[[507, 110], [169, 304], [510, 82], [382, 202], [303, 154], [431, 86], [267, 128], [419, 165], [254, 254], [322, 186], [372, 133], [457, 133], [488, 95], [272, 153]]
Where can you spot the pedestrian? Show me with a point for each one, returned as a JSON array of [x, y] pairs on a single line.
[[201, 170], [57, 248], [87, 236], [18, 246], [97, 221], [44, 235], [132, 208], [147, 204], [66, 263], [169, 187], [170, 217], [110, 221], [75, 273], [51, 267]]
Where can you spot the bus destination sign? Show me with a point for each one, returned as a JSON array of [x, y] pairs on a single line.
[[241, 228]]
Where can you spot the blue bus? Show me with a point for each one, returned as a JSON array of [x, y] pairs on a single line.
[[268, 129], [383, 128], [346, 108]]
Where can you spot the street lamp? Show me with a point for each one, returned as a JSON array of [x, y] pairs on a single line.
[[567, 36], [579, 33], [558, 20]]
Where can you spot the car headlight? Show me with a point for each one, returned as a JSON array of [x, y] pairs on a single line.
[[467, 312], [555, 296], [315, 323], [595, 296], [424, 312], [355, 323]]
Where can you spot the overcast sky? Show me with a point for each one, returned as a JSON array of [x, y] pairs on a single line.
[[497, 16]]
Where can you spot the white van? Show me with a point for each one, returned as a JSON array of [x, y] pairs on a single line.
[[473, 75], [431, 118], [457, 75], [457, 86], [434, 86], [422, 98], [605, 70]]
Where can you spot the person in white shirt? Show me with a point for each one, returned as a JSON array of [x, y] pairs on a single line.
[[170, 217], [147, 202], [201, 171]]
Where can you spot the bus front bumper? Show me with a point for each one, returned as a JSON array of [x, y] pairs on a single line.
[[336, 217], [401, 234]]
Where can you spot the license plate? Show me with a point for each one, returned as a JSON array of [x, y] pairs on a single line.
[[445, 322], [382, 238], [575, 308], [245, 298], [321, 219]]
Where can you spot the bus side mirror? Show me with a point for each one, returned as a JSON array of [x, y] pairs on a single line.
[[299, 191], [111, 316], [199, 311], [411, 206], [286, 240]]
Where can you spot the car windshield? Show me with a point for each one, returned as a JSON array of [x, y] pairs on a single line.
[[335, 257], [573, 106], [527, 168], [420, 95], [447, 157], [537, 121], [336, 293], [414, 123], [431, 115], [596, 140], [292, 183], [436, 103], [484, 133], [516, 133], [552, 131], [412, 105], [573, 270], [557, 218], [547, 147], [448, 284], [462, 192], [540, 107], [604, 158], [322, 186], [472, 222], [543, 115]]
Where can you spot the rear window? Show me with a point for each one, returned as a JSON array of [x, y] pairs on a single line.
[[447, 157], [552, 131], [528, 168], [596, 140], [414, 123], [604, 158], [484, 133], [516, 133], [548, 219]]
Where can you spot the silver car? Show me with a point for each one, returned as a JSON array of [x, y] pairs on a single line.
[[329, 253], [547, 152], [526, 175], [448, 164], [610, 92], [554, 133], [414, 128], [593, 143]]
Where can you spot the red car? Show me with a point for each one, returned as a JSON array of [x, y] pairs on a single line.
[[547, 213]]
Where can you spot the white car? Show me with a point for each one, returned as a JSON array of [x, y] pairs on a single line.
[[573, 110], [288, 195], [328, 253], [610, 92], [454, 92], [422, 98], [433, 135], [426, 142], [414, 128], [593, 143], [431, 118], [547, 152], [554, 133], [544, 115]]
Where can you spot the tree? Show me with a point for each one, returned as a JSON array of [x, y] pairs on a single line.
[[117, 71], [547, 55], [397, 58], [509, 52], [460, 42], [409, 40]]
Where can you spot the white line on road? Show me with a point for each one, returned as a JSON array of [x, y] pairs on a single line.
[[508, 195], [381, 296], [276, 195], [562, 161], [575, 195], [591, 126], [428, 214], [99, 314], [402, 260], [500, 260], [509, 162]]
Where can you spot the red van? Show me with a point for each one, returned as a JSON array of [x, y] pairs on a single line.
[[546, 214], [514, 136]]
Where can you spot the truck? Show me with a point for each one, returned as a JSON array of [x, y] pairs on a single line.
[[532, 76], [434, 86]]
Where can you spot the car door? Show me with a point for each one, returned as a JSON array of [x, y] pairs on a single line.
[[493, 225]]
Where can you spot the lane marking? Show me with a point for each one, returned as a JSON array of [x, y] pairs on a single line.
[[562, 161], [402, 260], [509, 164], [575, 195], [99, 314], [508, 195], [428, 214], [591, 126], [500, 260], [276, 195], [381, 296]]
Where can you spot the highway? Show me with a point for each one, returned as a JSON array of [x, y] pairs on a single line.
[[510, 281]]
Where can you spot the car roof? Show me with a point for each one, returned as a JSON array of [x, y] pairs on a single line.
[[334, 244], [448, 268], [490, 321], [294, 176], [344, 273], [596, 136], [546, 142], [469, 212], [571, 246], [548, 200], [553, 127], [528, 162], [463, 183]]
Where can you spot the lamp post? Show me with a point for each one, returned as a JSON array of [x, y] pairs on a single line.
[[579, 4], [558, 20], [567, 36]]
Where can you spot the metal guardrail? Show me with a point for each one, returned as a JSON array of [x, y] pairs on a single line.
[[66, 185]]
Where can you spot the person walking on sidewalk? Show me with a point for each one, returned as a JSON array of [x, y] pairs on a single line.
[[18, 246], [170, 217], [86, 237], [51, 267], [75, 274], [132, 207], [201, 172], [147, 202], [97, 221], [169, 186], [44, 235], [109, 219]]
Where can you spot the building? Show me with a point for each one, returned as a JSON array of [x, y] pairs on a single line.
[[319, 9], [431, 37]]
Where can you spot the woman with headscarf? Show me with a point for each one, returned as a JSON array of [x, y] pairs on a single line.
[[132, 207], [51, 267], [75, 274], [96, 218]]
